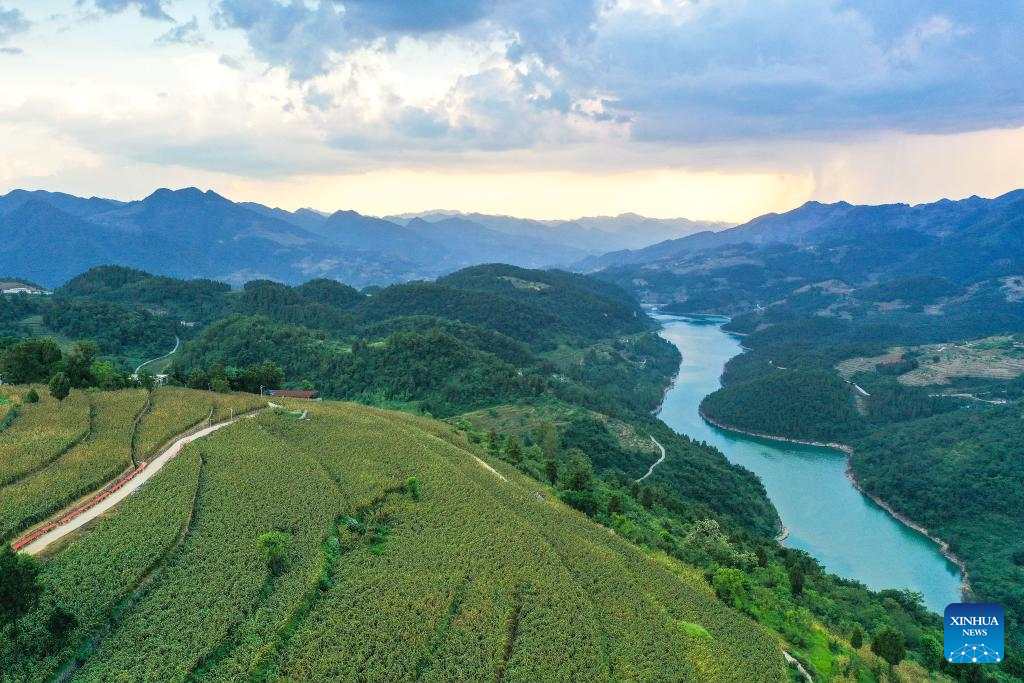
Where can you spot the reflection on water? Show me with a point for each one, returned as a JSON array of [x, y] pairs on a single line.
[[825, 514]]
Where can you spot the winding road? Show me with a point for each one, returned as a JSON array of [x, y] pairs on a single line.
[[177, 343], [65, 523], [662, 449]]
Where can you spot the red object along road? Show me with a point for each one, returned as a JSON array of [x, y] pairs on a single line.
[[22, 542]]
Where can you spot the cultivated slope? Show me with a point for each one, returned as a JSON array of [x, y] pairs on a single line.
[[466, 573]]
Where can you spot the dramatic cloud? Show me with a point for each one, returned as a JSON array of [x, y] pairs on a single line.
[[807, 94], [151, 9], [689, 71], [183, 34]]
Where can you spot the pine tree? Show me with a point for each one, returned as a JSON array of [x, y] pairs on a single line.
[[857, 638]]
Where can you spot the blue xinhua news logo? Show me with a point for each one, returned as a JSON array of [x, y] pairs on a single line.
[[974, 633]]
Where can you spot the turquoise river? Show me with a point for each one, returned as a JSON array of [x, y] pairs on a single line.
[[824, 513]]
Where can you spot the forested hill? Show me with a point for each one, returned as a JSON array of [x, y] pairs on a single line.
[[896, 330], [552, 373]]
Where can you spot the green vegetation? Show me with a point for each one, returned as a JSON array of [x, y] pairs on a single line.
[[556, 375], [805, 404], [870, 383], [100, 574], [82, 469], [345, 534], [54, 453], [961, 476], [171, 411], [115, 328], [33, 438]]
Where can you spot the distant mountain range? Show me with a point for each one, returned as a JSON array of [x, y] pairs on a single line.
[[975, 246], [52, 236], [817, 223], [596, 234]]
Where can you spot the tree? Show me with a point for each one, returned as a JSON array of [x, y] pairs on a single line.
[[267, 375], [493, 443], [219, 379], [78, 365], [147, 380], [551, 470], [890, 645], [547, 438], [273, 545], [105, 375], [60, 386], [797, 624], [647, 497], [19, 584], [32, 396], [615, 504], [513, 450], [931, 652], [198, 379], [578, 474], [731, 586], [796, 579], [32, 360], [857, 637]]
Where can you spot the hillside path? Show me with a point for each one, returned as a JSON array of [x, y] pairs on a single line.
[[662, 449], [177, 343], [142, 475]]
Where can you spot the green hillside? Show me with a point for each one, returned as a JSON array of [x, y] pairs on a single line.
[[405, 556]]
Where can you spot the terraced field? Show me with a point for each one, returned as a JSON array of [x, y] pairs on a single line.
[[399, 558], [38, 433], [53, 453]]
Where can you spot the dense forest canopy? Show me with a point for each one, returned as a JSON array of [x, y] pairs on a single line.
[[576, 352]]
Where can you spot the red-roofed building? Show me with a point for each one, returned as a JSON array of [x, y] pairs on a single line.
[[289, 393]]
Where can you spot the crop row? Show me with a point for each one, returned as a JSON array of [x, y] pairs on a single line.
[[40, 432], [93, 574], [252, 484], [236, 403], [49, 457], [481, 580], [172, 411], [85, 467], [459, 576]]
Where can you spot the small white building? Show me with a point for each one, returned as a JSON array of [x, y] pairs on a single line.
[[20, 288]]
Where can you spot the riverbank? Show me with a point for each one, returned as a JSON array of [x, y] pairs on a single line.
[[773, 437], [944, 549]]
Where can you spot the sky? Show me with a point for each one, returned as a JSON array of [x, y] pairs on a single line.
[[706, 109]]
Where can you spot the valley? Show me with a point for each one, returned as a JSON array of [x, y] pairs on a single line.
[[543, 377], [478, 341]]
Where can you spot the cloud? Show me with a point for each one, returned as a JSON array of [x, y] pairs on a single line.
[[11, 51], [230, 62], [12, 22], [187, 33], [151, 9], [299, 37], [682, 71]]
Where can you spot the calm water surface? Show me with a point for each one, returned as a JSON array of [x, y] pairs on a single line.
[[826, 516]]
